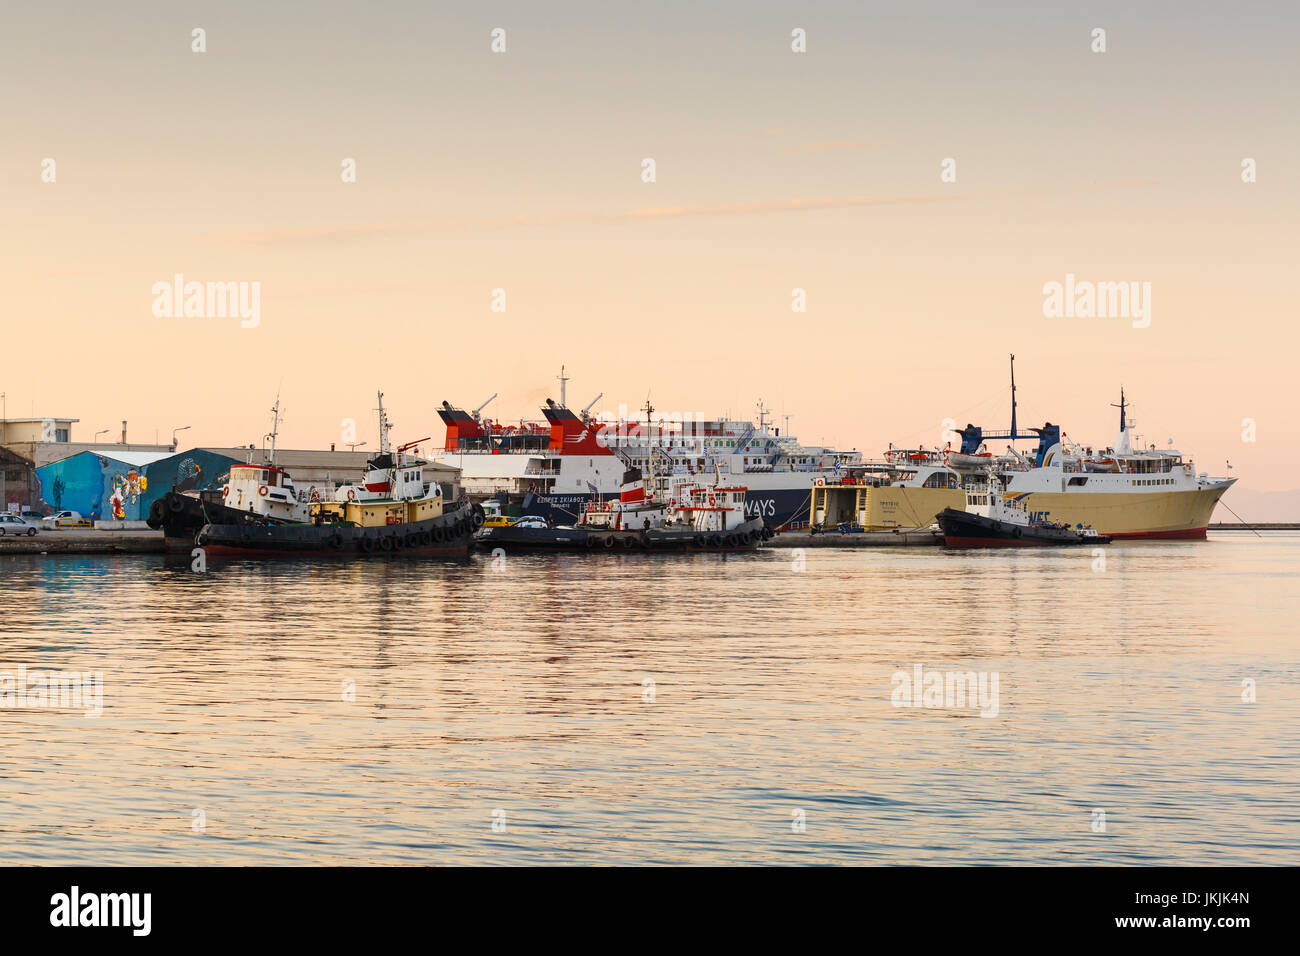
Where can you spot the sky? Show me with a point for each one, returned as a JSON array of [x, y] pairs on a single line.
[[774, 171]]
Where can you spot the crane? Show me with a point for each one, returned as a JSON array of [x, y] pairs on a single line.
[[474, 413]]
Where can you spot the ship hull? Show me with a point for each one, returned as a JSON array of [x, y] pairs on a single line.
[[747, 536], [181, 517], [449, 535], [780, 506], [962, 529], [1162, 515]]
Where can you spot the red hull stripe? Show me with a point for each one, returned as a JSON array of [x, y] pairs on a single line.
[[1185, 534], [226, 550]]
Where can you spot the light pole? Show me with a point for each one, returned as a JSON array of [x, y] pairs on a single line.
[[174, 431], [354, 445], [95, 440]]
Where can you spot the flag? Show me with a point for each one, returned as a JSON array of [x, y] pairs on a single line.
[[837, 466], [592, 488]]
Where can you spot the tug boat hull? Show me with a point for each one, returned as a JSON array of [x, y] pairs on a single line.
[[963, 529], [181, 517], [448, 535]]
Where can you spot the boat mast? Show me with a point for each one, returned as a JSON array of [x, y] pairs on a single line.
[[275, 426], [649, 449], [383, 427], [1121, 406], [385, 448], [564, 380], [1013, 398]]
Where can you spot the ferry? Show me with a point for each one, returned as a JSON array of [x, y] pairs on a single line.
[[1123, 491], [554, 468]]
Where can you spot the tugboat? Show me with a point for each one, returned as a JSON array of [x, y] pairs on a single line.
[[694, 517], [991, 521], [391, 511], [263, 495]]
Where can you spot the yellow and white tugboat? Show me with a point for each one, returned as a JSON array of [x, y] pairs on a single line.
[[392, 510]]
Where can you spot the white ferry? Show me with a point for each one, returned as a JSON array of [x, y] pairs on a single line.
[[1123, 491], [554, 469]]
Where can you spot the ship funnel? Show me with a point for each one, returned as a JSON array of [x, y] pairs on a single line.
[[972, 436], [1048, 437]]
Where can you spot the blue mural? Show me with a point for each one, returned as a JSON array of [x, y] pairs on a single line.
[[98, 486]]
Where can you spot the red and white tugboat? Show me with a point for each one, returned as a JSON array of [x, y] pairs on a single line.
[[392, 510], [696, 516]]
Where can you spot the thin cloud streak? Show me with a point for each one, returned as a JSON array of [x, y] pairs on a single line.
[[842, 144], [397, 230]]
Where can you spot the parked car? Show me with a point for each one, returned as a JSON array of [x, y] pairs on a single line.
[[33, 516], [531, 521], [14, 525], [52, 521]]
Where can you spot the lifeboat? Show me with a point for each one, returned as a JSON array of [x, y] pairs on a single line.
[[1101, 465], [959, 459]]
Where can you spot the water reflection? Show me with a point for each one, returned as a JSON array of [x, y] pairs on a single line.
[[524, 691]]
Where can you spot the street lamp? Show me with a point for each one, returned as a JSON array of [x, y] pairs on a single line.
[[354, 445], [174, 431], [102, 431]]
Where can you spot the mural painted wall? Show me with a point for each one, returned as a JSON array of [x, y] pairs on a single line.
[[98, 486]]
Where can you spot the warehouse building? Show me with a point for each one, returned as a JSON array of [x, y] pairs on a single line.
[[43, 441], [115, 485], [111, 484], [19, 489]]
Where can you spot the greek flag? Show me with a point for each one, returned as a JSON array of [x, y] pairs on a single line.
[[837, 466]]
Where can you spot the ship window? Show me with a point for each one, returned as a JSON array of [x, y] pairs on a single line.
[[1078, 481]]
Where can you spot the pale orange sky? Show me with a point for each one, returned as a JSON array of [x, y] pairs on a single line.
[[775, 170]]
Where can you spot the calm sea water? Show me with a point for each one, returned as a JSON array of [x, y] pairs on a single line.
[[520, 697]]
